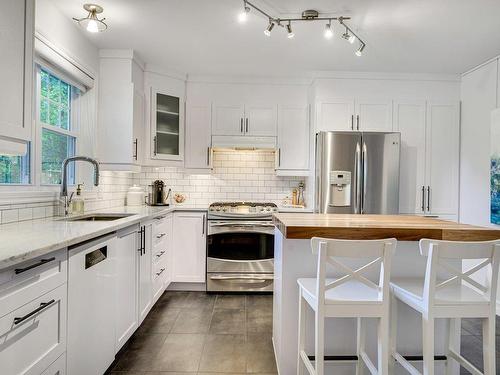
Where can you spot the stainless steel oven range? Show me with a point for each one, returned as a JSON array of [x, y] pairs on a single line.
[[240, 247]]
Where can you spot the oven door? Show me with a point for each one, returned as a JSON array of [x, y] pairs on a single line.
[[240, 246]]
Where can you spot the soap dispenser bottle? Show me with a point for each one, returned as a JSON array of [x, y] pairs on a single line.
[[78, 204]]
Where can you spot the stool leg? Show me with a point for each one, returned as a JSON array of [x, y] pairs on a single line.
[[302, 332], [489, 354], [428, 344], [393, 332], [383, 345], [361, 335], [319, 341], [453, 327]]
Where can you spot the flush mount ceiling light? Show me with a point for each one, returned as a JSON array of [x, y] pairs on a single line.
[[91, 23], [307, 16]]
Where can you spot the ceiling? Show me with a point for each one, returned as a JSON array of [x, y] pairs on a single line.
[[204, 36]]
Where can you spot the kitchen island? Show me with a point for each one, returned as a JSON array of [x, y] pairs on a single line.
[[294, 259]]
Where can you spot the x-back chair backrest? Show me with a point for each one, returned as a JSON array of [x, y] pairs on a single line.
[[376, 252], [439, 255]]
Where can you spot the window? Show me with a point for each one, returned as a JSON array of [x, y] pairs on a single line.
[[15, 169], [57, 135]]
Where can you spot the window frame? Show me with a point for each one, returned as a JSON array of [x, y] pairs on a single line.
[[40, 126]]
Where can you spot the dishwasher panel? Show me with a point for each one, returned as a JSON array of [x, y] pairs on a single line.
[[91, 296]]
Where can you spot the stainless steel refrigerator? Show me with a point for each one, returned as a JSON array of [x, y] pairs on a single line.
[[357, 172]]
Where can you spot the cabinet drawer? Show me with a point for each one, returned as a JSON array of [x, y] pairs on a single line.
[[160, 251], [34, 335], [30, 279], [160, 231]]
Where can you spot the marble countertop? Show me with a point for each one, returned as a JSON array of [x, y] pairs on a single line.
[[29, 239], [402, 227], [25, 240]]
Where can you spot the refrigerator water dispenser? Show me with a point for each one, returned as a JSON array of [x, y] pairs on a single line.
[[340, 188]]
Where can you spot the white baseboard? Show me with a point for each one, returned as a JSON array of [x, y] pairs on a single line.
[[191, 287]]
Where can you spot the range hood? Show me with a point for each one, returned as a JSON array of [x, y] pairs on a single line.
[[243, 142]]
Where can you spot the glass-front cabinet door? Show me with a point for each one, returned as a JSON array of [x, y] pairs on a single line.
[[167, 119]]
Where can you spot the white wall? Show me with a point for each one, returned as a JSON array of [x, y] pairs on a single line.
[[64, 34], [479, 98]]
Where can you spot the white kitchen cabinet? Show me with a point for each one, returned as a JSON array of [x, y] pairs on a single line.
[[429, 157], [58, 367], [198, 136], [126, 281], [161, 255], [228, 119], [121, 111], [145, 270], [292, 155], [17, 37], [34, 334], [167, 125], [373, 115], [189, 248], [335, 114], [261, 120], [409, 119], [249, 119], [363, 114], [443, 128]]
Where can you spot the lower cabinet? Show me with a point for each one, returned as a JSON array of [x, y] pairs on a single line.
[[34, 335], [58, 367], [126, 303], [189, 248]]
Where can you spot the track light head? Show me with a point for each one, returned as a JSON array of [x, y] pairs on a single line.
[[267, 31], [290, 33], [351, 39], [328, 30], [243, 16], [359, 52]]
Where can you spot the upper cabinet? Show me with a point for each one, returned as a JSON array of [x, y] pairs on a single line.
[[249, 119], [198, 136], [354, 114], [167, 125], [292, 155], [121, 111], [429, 156], [16, 36]]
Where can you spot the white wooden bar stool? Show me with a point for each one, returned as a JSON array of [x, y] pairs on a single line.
[[352, 295], [452, 294]]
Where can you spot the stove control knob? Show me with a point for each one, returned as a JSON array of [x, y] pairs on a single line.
[[268, 208]]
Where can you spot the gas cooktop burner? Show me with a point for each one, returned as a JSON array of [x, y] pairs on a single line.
[[242, 209]]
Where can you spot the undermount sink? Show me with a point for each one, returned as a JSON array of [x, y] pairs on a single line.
[[98, 217]]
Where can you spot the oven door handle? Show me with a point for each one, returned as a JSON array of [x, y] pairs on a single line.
[[242, 225], [241, 261], [243, 277]]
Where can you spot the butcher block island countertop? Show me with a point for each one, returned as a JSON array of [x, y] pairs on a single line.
[[401, 227]]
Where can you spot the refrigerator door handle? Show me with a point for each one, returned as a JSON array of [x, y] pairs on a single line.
[[423, 198], [365, 172], [357, 177]]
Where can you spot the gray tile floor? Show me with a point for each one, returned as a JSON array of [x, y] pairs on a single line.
[[192, 332], [472, 343]]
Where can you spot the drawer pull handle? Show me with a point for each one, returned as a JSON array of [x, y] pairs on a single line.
[[43, 305], [161, 271], [160, 235], [160, 217], [160, 254], [40, 263]]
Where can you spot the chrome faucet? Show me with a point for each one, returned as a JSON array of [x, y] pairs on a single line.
[[64, 182]]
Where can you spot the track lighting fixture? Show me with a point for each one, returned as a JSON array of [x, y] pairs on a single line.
[[328, 30], [91, 23], [243, 16], [290, 33], [307, 16], [267, 31]]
